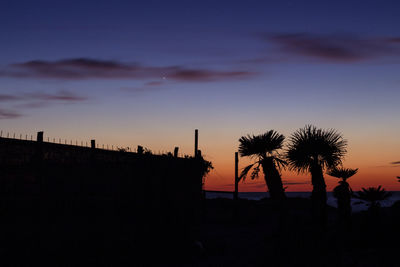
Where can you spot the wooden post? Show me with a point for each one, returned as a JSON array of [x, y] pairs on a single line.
[[196, 142], [39, 137], [139, 149], [176, 149], [236, 194], [93, 144]]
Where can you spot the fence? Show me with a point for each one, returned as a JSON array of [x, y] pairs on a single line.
[[88, 144]]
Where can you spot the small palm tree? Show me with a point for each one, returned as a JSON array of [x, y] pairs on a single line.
[[313, 150], [373, 196], [343, 191], [263, 148], [342, 173]]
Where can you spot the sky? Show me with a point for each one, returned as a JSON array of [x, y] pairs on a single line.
[[148, 73]]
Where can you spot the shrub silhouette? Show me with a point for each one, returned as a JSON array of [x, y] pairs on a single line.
[[373, 196]]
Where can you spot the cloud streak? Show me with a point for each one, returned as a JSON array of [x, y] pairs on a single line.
[[396, 163], [62, 96], [86, 68], [34, 100], [334, 48], [294, 183], [8, 114]]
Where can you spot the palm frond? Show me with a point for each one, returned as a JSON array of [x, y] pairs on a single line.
[[342, 173], [255, 172], [245, 171], [260, 145], [280, 163], [310, 145], [373, 194]]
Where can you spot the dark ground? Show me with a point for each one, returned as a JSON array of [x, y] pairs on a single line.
[[256, 236]]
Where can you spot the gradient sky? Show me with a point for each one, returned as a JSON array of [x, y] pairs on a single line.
[[150, 72]]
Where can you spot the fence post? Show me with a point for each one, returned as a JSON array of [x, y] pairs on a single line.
[[196, 142], [40, 176], [236, 194], [139, 149], [176, 149], [93, 144], [39, 137]]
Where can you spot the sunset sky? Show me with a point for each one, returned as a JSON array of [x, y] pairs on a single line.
[[130, 73]]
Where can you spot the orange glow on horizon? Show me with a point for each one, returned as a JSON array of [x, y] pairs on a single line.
[[371, 173]]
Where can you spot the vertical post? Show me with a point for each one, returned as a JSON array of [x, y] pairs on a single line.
[[196, 142], [176, 149], [139, 149], [236, 193], [39, 137], [93, 144]]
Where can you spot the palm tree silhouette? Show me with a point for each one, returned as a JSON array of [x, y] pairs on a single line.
[[313, 150], [373, 195], [263, 148], [343, 191]]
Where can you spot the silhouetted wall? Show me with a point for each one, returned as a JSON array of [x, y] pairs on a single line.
[[60, 193]]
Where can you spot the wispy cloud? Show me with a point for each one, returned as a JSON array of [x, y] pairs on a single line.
[[395, 40], [62, 96], [154, 83], [8, 98], [86, 68], [395, 164], [294, 183], [34, 100], [334, 48], [8, 114]]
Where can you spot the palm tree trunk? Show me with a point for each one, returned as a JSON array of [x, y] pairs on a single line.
[[273, 179], [318, 196], [342, 192]]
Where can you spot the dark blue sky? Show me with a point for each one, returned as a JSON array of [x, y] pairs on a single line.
[[127, 29]]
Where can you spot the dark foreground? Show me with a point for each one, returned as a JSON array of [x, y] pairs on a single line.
[[259, 237], [253, 234]]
